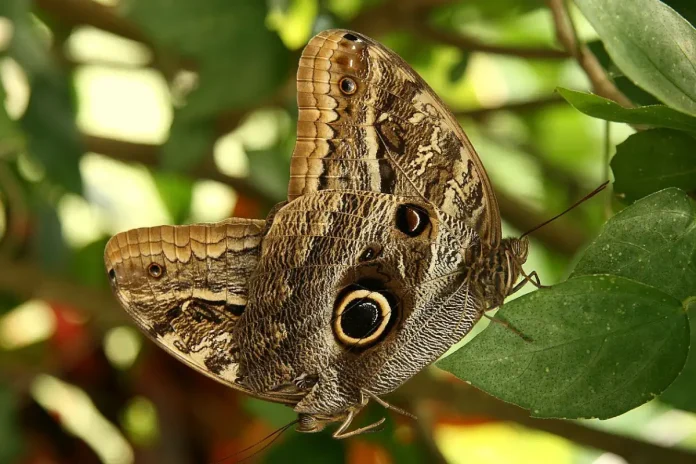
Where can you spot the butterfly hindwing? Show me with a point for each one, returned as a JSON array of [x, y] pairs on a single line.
[[186, 287]]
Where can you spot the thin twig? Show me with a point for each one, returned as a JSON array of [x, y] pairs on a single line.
[[517, 107], [567, 37], [473, 44]]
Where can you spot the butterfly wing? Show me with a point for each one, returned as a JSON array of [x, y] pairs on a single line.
[[367, 121], [186, 287]]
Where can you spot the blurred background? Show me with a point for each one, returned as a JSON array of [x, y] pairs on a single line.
[[128, 113]]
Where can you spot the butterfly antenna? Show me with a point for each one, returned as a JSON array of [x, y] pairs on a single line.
[[273, 435], [574, 205]]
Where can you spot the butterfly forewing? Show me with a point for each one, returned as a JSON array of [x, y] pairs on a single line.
[[367, 121]]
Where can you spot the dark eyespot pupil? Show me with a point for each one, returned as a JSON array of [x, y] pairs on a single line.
[[155, 270], [369, 253], [348, 85], [112, 275], [411, 220], [361, 319], [235, 309], [350, 37]]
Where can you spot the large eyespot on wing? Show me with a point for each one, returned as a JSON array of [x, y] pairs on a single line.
[[186, 287], [367, 121], [363, 316]]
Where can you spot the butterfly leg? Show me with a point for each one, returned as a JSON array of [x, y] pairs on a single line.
[[386, 405], [507, 325], [341, 432]]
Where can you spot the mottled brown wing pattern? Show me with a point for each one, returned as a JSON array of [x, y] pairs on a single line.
[[367, 121], [186, 287]]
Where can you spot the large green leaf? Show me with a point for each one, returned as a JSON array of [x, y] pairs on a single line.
[[653, 160], [652, 44], [653, 242], [654, 115], [601, 345], [239, 62]]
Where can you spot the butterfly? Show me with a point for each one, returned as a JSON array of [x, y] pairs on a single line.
[[386, 253]]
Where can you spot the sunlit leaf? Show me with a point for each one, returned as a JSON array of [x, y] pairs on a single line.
[[652, 160], [652, 44], [601, 345], [653, 241], [602, 108]]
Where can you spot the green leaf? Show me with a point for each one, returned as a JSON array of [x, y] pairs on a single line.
[[653, 160], [49, 120], [624, 84], [652, 44], [310, 447], [686, 8], [86, 263], [681, 393], [652, 241], [457, 70], [48, 243], [176, 193], [602, 108], [269, 170], [239, 63], [51, 133], [602, 345]]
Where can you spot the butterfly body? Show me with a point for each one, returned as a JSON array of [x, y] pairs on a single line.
[[386, 253]]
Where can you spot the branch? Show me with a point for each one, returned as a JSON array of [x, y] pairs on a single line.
[[473, 44], [412, 15], [521, 106], [147, 155], [91, 13], [567, 37], [469, 401], [30, 281]]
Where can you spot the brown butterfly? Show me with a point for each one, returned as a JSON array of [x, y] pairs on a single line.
[[386, 253]]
